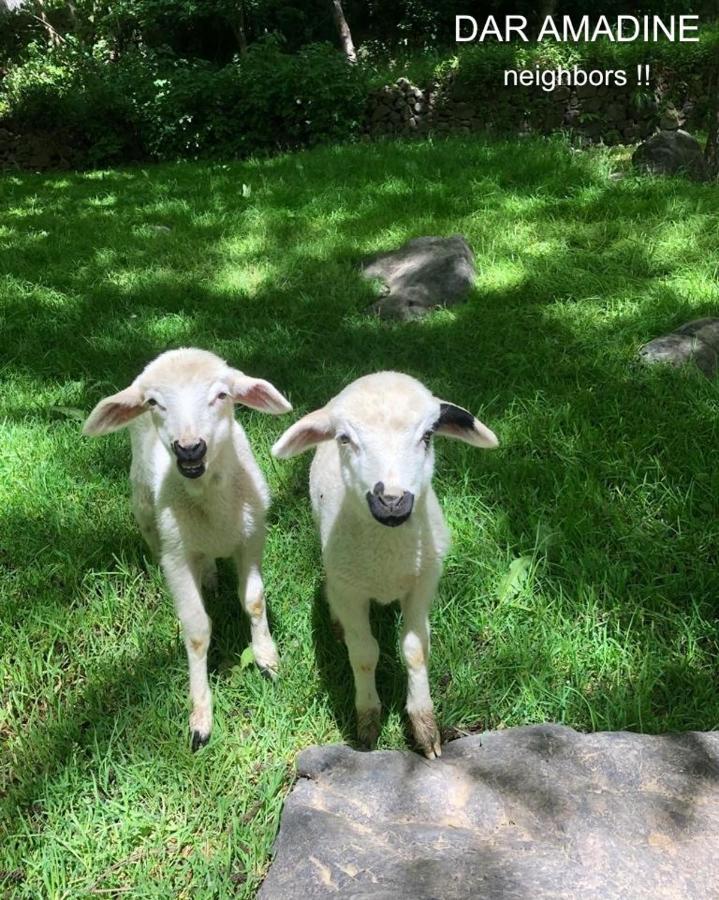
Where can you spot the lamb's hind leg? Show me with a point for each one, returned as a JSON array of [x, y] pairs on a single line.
[[415, 649], [251, 591], [183, 578]]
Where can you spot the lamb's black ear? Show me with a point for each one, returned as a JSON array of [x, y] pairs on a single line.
[[456, 422]]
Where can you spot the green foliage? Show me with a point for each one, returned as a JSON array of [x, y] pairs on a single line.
[[74, 90], [152, 104], [271, 99]]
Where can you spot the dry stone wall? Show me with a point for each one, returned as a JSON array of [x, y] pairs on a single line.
[[609, 114]]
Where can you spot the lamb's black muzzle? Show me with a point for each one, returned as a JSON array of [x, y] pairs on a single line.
[[190, 459], [388, 509]]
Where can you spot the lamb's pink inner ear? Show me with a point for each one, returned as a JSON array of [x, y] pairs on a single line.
[[258, 394], [457, 422], [311, 430], [115, 412]]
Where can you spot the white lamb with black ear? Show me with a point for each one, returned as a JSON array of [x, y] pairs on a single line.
[[382, 530], [198, 493]]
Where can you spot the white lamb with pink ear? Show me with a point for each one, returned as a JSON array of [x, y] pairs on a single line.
[[382, 530], [198, 493]]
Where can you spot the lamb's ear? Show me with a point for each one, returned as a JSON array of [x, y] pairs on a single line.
[[257, 394], [455, 422], [309, 431], [113, 413]]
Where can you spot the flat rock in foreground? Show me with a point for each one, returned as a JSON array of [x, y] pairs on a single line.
[[695, 342], [539, 811], [422, 274]]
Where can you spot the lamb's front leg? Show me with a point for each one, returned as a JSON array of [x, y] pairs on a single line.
[[251, 591], [415, 649], [183, 579], [351, 610]]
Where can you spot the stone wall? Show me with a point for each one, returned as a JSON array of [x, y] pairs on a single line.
[[609, 114]]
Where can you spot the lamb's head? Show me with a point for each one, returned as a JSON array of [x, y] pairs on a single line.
[[189, 395], [384, 425]]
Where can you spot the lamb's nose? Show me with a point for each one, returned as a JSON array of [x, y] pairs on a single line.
[[191, 453], [389, 501], [388, 509]]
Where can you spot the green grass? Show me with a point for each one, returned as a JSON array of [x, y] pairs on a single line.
[[605, 488]]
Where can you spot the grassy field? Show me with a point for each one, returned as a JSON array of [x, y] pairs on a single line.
[[582, 585]]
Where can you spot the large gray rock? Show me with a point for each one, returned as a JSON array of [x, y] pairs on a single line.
[[424, 273], [670, 153], [540, 811], [696, 342]]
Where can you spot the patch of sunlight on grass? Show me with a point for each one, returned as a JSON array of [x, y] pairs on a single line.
[[102, 201], [38, 295], [695, 287], [242, 278], [503, 275], [160, 210], [516, 205]]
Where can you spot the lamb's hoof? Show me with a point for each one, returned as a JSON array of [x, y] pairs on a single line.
[[426, 733], [268, 674], [198, 740], [200, 726], [368, 722], [267, 660]]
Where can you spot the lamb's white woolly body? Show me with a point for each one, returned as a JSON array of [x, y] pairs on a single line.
[[211, 514], [384, 563], [186, 397], [382, 530]]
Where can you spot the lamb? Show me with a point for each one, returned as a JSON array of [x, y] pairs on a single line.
[[382, 531], [198, 493]]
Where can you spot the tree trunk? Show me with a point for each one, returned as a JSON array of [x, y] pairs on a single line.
[[546, 8], [238, 28], [53, 37], [344, 32], [711, 151]]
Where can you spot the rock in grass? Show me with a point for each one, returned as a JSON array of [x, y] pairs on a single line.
[[422, 274], [671, 153], [696, 342], [539, 811]]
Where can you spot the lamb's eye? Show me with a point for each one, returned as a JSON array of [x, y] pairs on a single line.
[[222, 396], [151, 401], [344, 439], [426, 438]]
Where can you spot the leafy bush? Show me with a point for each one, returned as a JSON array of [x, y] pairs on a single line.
[[150, 104], [72, 90], [295, 100]]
